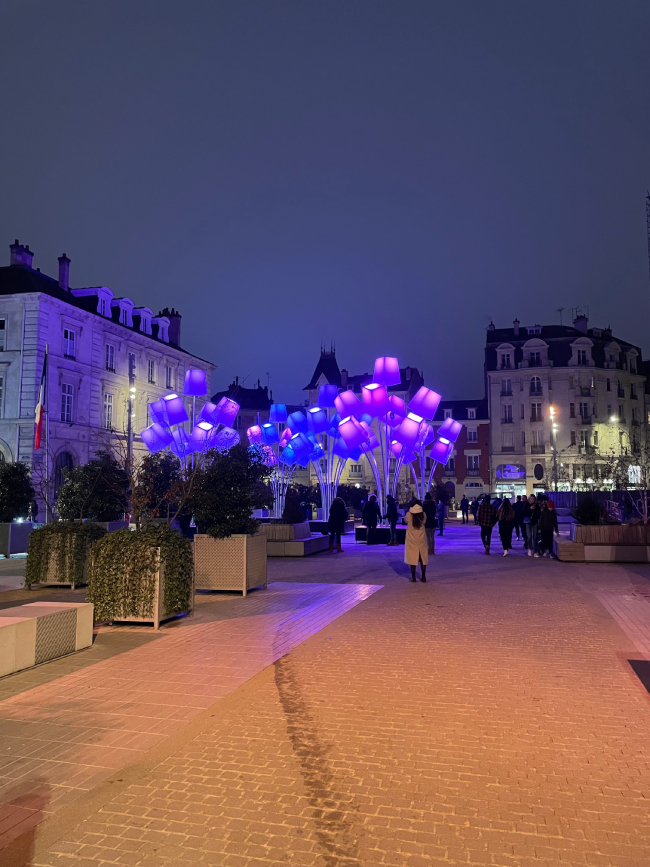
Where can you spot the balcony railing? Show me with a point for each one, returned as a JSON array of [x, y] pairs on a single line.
[[110, 367], [507, 448], [506, 392], [535, 417], [634, 395], [584, 449], [585, 392], [538, 450], [449, 471], [635, 422], [70, 357], [584, 418], [473, 472], [536, 392], [620, 392]]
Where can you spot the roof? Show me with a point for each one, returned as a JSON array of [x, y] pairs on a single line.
[[22, 280], [327, 366], [459, 409], [256, 398]]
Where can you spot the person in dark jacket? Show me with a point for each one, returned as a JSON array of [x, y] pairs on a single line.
[[547, 524], [518, 509], [370, 516], [535, 511], [431, 522], [464, 509], [336, 524], [441, 514], [506, 519], [487, 518], [474, 509], [392, 516]]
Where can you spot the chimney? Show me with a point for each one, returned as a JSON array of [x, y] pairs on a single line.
[[491, 326], [580, 323], [21, 255], [64, 272], [174, 327], [515, 325], [344, 378]]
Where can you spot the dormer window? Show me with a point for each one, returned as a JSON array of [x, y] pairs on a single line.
[[471, 413], [104, 298], [447, 413], [102, 306], [125, 306], [162, 322], [123, 316], [534, 329], [145, 315]]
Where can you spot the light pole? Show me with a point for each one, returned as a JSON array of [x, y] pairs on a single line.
[[554, 435]]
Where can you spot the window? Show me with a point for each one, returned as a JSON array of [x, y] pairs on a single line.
[[538, 437], [573, 437], [596, 438], [2, 397], [67, 393], [523, 439], [536, 412], [570, 382], [535, 385], [634, 415], [471, 413], [508, 441], [447, 413], [131, 365], [609, 385], [572, 410], [523, 411], [168, 377], [621, 412], [584, 411], [595, 410], [582, 356], [451, 466], [151, 371], [584, 438], [3, 331], [609, 410], [108, 411], [535, 359], [472, 462], [472, 435], [535, 329], [505, 360], [123, 316], [110, 356], [507, 415], [633, 392], [506, 386], [69, 343], [355, 469], [62, 466], [102, 306]]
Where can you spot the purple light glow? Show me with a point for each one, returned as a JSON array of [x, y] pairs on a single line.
[[375, 399], [396, 412], [195, 383], [254, 434], [225, 439], [372, 442], [317, 418], [387, 371], [327, 395], [225, 412], [441, 451], [278, 413], [450, 430], [409, 430], [175, 408], [352, 432], [348, 404], [425, 402], [156, 438], [158, 413], [207, 412]]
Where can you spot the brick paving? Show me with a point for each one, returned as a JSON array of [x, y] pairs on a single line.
[[488, 717]]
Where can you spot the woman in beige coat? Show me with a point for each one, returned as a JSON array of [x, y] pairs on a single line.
[[415, 549]]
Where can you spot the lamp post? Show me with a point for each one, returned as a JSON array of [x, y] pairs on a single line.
[[554, 428]]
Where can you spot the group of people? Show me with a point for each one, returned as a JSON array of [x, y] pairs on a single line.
[[533, 519], [435, 513]]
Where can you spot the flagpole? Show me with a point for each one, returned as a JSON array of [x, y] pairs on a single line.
[[47, 436]]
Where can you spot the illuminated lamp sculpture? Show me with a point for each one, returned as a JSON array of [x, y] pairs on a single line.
[[279, 455], [375, 399], [425, 402], [297, 422], [254, 435], [327, 395], [348, 404], [156, 438], [195, 383], [278, 413], [175, 409], [387, 371], [317, 420]]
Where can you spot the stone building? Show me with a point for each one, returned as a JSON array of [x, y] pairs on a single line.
[[93, 337], [468, 469], [562, 401]]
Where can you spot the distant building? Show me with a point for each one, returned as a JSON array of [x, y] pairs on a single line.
[[93, 337], [593, 381], [468, 469]]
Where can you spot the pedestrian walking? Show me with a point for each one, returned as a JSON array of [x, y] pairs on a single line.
[[547, 525], [370, 516], [518, 507], [487, 518], [474, 509], [415, 549], [431, 522], [464, 509], [535, 511], [527, 508], [392, 516], [506, 519], [336, 524], [441, 514]]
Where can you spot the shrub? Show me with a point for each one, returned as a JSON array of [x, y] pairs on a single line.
[[122, 571], [589, 511], [16, 491], [292, 513], [96, 491], [68, 544]]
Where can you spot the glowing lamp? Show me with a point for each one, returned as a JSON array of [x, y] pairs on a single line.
[[334, 424], [288, 456], [297, 422], [278, 413], [317, 453], [270, 434], [156, 438], [407, 455], [327, 395], [200, 436], [225, 439], [225, 412], [441, 451], [372, 442], [254, 434], [301, 445], [180, 442], [375, 399], [449, 430], [207, 412], [270, 457], [340, 449], [387, 371], [317, 419], [425, 402], [348, 404], [352, 432], [409, 430], [158, 413], [287, 433], [175, 409], [396, 411], [195, 383], [427, 436]]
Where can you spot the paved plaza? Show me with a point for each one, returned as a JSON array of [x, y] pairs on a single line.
[[496, 715]]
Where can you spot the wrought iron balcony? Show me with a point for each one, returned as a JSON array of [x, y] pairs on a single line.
[[620, 392], [536, 392], [584, 449], [449, 471], [473, 472], [538, 450], [506, 392], [585, 392], [507, 448]]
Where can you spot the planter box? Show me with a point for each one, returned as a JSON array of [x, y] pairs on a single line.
[[611, 534], [14, 537], [50, 577], [285, 532], [235, 563], [40, 631]]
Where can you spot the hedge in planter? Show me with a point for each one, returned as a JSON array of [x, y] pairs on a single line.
[[63, 546], [123, 568]]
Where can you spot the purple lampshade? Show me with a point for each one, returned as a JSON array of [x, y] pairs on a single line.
[[317, 419], [195, 383], [254, 434], [278, 413], [158, 413], [425, 402], [340, 449], [372, 442], [180, 442], [297, 422], [201, 436], [375, 399], [270, 434], [270, 457], [225, 439], [287, 433], [347, 403], [156, 438], [450, 430], [327, 395], [288, 456], [208, 411], [441, 451], [225, 412], [396, 411], [427, 436], [387, 371], [408, 455], [352, 432], [175, 408], [409, 430]]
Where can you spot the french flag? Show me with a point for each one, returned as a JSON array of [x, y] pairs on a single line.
[[40, 406]]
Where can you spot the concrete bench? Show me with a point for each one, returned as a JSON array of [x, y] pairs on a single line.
[[40, 631], [297, 547]]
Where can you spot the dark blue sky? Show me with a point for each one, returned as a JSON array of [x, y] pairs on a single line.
[[388, 175]]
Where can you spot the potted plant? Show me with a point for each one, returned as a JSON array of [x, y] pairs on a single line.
[[96, 491], [58, 553], [16, 498], [229, 552]]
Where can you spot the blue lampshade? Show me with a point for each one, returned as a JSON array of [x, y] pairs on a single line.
[[334, 424], [301, 445], [180, 444], [207, 412], [278, 413], [201, 436], [288, 456], [175, 408], [195, 383], [297, 422], [317, 454], [340, 449], [317, 419], [156, 438], [427, 436], [225, 412], [158, 413], [327, 395], [270, 434]]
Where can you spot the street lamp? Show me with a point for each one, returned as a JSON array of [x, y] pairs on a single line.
[[554, 428]]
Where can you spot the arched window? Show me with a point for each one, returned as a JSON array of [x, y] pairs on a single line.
[[535, 385], [63, 462]]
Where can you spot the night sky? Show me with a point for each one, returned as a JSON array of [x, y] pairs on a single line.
[[387, 175]]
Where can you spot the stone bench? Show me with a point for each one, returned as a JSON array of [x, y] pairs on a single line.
[[297, 547], [40, 631]]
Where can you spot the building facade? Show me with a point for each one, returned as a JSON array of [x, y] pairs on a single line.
[[93, 338], [468, 469], [563, 401]]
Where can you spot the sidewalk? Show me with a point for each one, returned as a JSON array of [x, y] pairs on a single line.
[[488, 717]]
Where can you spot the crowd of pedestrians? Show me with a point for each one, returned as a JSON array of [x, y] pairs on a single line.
[[534, 520]]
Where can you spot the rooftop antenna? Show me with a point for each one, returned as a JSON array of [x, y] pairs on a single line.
[[559, 310]]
